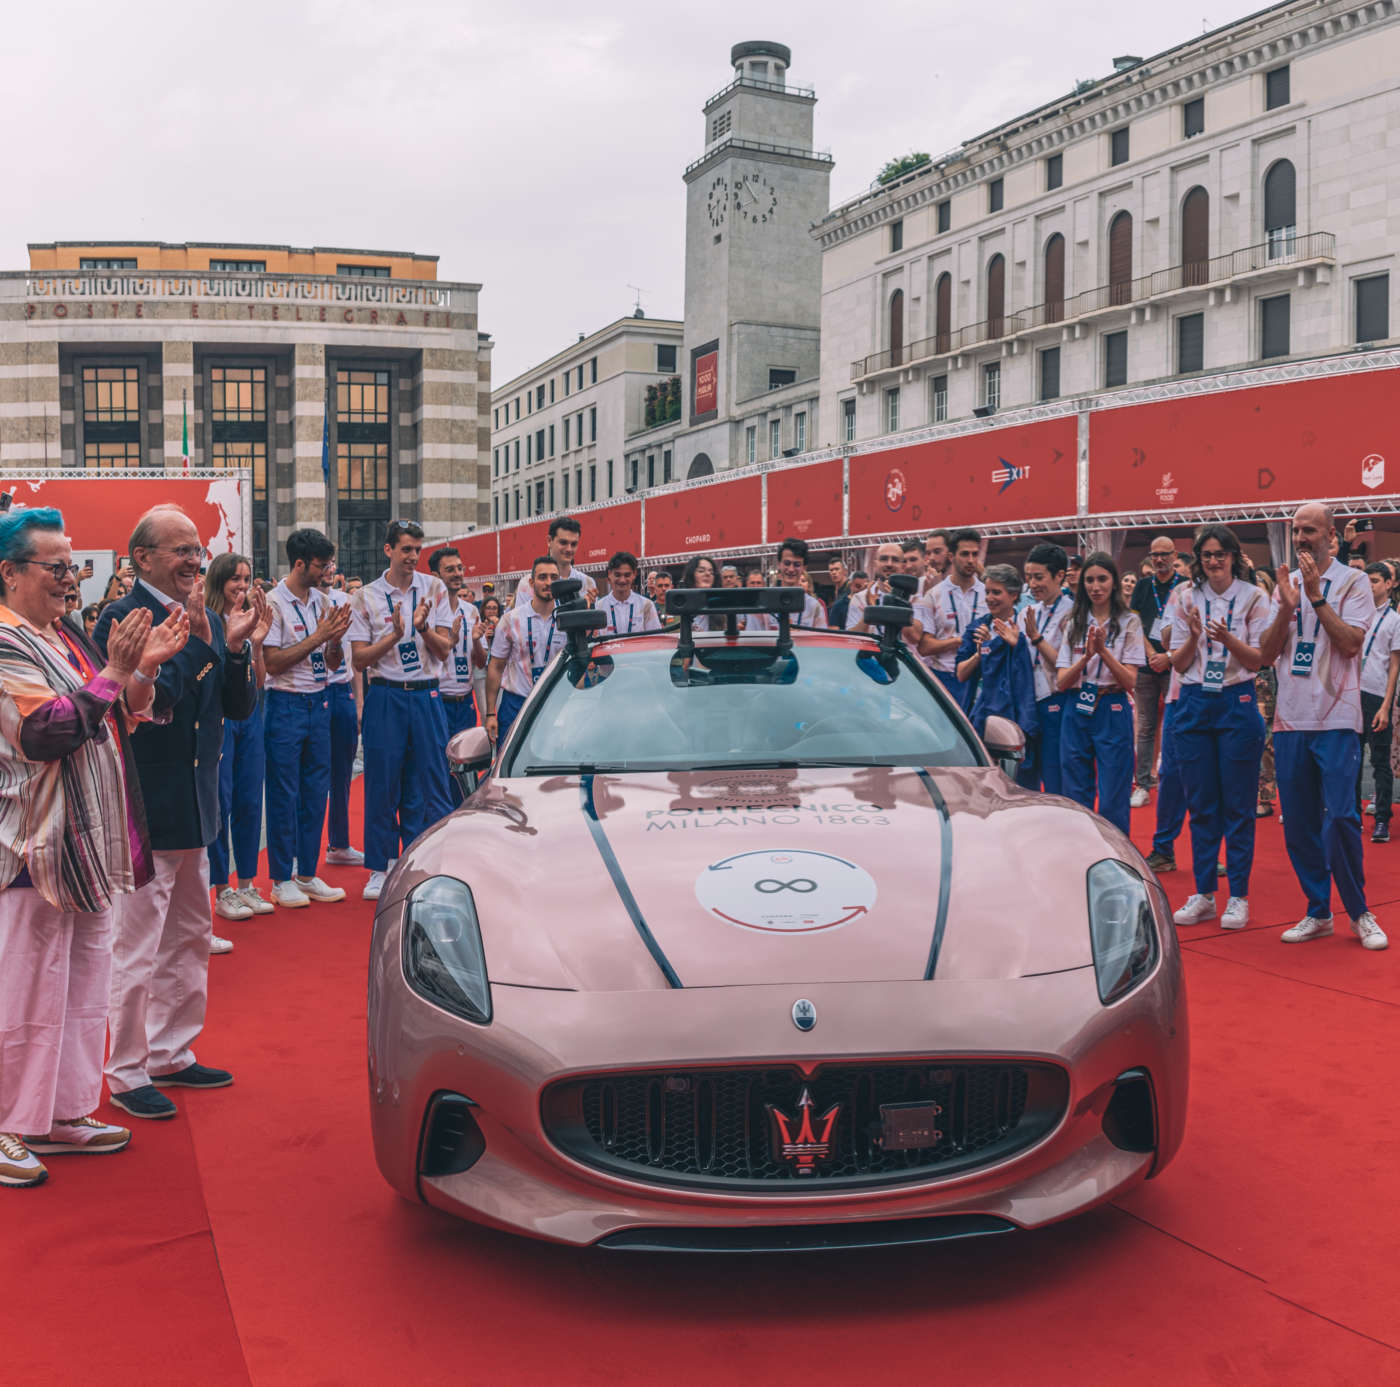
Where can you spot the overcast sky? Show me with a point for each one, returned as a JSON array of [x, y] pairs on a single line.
[[537, 149]]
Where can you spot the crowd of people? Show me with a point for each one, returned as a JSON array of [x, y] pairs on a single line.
[[206, 701]]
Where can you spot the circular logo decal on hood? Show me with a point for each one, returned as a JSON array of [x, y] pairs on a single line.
[[789, 892]]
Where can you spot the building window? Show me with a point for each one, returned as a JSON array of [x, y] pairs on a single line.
[[1373, 308], [529, 449], [1273, 326], [799, 431], [112, 417], [567, 422], [551, 440], [1276, 88], [495, 510], [651, 470], [1190, 343], [1193, 118], [1054, 171], [551, 493], [517, 503], [551, 389], [593, 370], [495, 462], [995, 195], [1050, 374], [1120, 259], [362, 456], [666, 358], [996, 296], [593, 423], [1118, 146], [991, 385], [539, 445], [496, 417], [238, 438], [892, 410], [539, 496], [897, 235], [239, 267], [943, 313], [517, 406], [578, 486], [529, 402], [945, 215], [517, 455], [1281, 209], [363, 271], [848, 421], [720, 125], [1195, 237], [610, 476], [1054, 295], [779, 377], [1115, 358], [539, 396], [775, 439], [939, 388], [580, 376], [666, 472], [89, 262], [751, 443]]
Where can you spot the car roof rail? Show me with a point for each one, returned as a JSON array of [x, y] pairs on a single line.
[[894, 612], [574, 616], [731, 603]]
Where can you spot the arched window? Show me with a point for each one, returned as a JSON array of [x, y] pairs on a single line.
[[1195, 237], [897, 327], [1120, 259], [1280, 208], [1055, 278], [700, 466], [943, 313], [996, 296]]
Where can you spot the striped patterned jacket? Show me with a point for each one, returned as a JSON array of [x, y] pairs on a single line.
[[70, 801]]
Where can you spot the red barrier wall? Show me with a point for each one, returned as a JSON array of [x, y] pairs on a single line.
[[521, 545], [609, 529], [805, 502], [722, 515]]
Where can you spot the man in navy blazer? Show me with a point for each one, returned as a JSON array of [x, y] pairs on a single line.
[[160, 955]]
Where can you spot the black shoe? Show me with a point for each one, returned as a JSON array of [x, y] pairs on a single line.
[[1160, 862], [194, 1076], [145, 1101], [1381, 832]]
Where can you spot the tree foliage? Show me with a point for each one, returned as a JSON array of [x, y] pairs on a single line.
[[897, 168]]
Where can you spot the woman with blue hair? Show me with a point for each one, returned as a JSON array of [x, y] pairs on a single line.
[[72, 838]]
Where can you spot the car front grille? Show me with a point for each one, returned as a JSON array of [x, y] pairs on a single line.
[[716, 1127]]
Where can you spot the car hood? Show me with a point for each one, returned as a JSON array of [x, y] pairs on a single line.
[[712, 879]]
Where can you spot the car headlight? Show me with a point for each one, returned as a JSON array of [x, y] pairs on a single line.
[[1122, 928], [442, 955]]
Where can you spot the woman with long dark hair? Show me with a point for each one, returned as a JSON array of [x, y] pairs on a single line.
[[1100, 652], [701, 572], [490, 614], [1214, 628]]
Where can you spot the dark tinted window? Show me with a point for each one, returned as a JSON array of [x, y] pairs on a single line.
[[665, 357], [1193, 117], [945, 215], [1190, 343], [1054, 170], [994, 195], [897, 235], [1050, 373], [1118, 146], [1373, 308], [1273, 326], [1115, 358], [1276, 88]]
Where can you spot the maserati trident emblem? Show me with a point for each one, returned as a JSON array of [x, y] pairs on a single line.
[[803, 1140], [804, 1014]]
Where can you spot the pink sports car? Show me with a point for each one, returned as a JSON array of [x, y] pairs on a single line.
[[745, 941]]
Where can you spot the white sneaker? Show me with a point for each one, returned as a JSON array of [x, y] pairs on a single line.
[[1236, 914], [317, 890], [1309, 927], [345, 857], [231, 905], [220, 946], [1371, 935], [19, 1166], [253, 899], [289, 894], [373, 886], [1140, 796], [1196, 911], [83, 1136]]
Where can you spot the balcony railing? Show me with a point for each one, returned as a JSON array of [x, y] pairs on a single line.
[[1283, 248], [822, 156]]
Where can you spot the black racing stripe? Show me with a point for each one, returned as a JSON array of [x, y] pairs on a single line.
[[629, 901], [945, 870]]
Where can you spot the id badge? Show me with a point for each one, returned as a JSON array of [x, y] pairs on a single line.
[[1213, 681], [318, 666], [1155, 633], [1086, 699], [408, 655], [1303, 655], [462, 664], [535, 672]]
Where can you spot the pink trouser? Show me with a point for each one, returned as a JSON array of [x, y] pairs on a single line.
[[160, 971], [54, 971]]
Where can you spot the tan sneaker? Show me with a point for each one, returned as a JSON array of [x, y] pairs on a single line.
[[255, 900], [82, 1136], [231, 905], [19, 1167]]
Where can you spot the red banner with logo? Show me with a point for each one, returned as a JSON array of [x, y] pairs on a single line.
[[609, 529], [706, 393], [521, 545], [984, 478], [719, 515], [805, 502], [1298, 441]]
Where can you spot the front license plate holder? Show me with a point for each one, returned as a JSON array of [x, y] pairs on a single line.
[[909, 1126]]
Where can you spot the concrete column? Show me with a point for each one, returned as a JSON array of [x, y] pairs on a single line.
[[447, 442], [177, 391], [311, 503], [30, 413]]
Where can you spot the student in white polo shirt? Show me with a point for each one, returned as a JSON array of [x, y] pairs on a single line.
[[626, 610], [1380, 666], [345, 736], [792, 565], [526, 640], [564, 535], [458, 625], [405, 728], [959, 604], [1043, 622], [887, 562], [297, 730], [1322, 611]]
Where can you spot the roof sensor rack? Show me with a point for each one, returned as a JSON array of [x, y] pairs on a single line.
[[731, 603], [894, 612], [574, 616]]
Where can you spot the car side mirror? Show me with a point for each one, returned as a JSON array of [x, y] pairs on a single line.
[[469, 757], [1004, 739]]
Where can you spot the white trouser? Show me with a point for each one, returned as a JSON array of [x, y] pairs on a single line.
[[160, 971], [54, 971]]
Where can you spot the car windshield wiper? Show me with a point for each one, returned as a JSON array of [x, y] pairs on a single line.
[[585, 768]]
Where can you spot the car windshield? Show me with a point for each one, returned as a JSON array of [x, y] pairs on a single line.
[[732, 707]]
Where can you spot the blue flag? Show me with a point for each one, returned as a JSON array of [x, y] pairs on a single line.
[[326, 447]]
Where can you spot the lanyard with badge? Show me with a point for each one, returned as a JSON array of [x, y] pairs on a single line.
[[461, 657], [1305, 652], [538, 669], [629, 609], [1087, 698], [318, 656], [407, 649], [1213, 680], [1155, 633], [1375, 631], [953, 612]]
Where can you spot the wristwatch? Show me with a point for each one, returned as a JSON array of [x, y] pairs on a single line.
[[1317, 601]]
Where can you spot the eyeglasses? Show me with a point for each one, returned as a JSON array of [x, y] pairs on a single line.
[[1211, 555], [186, 553], [60, 571]]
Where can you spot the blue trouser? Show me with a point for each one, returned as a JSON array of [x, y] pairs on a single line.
[[1098, 746], [508, 707], [1041, 768], [461, 715], [298, 779], [1219, 745], [240, 799], [962, 693], [405, 779], [345, 737], [1171, 790], [1321, 823]]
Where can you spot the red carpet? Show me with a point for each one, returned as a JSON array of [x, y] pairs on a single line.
[[251, 1240]]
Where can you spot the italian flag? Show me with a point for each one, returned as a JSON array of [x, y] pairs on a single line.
[[185, 433]]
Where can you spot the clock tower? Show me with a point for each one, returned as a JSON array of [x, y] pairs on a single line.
[[752, 267]]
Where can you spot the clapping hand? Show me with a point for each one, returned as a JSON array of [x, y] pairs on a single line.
[[166, 640], [1193, 620], [420, 617], [981, 635], [238, 626], [198, 614], [1032, 627], [1006, 630], [1307, 570], [1218, 631], [264, 626], [126, 643], [396, 620], [1093, 641], [332, 625], [1287, 592], [478, 630], [457, 627]]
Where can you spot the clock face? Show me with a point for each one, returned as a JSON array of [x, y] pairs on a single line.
[[755, 198], [718, 201]]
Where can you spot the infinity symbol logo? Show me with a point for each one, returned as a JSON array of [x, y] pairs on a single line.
[[769, 885]]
